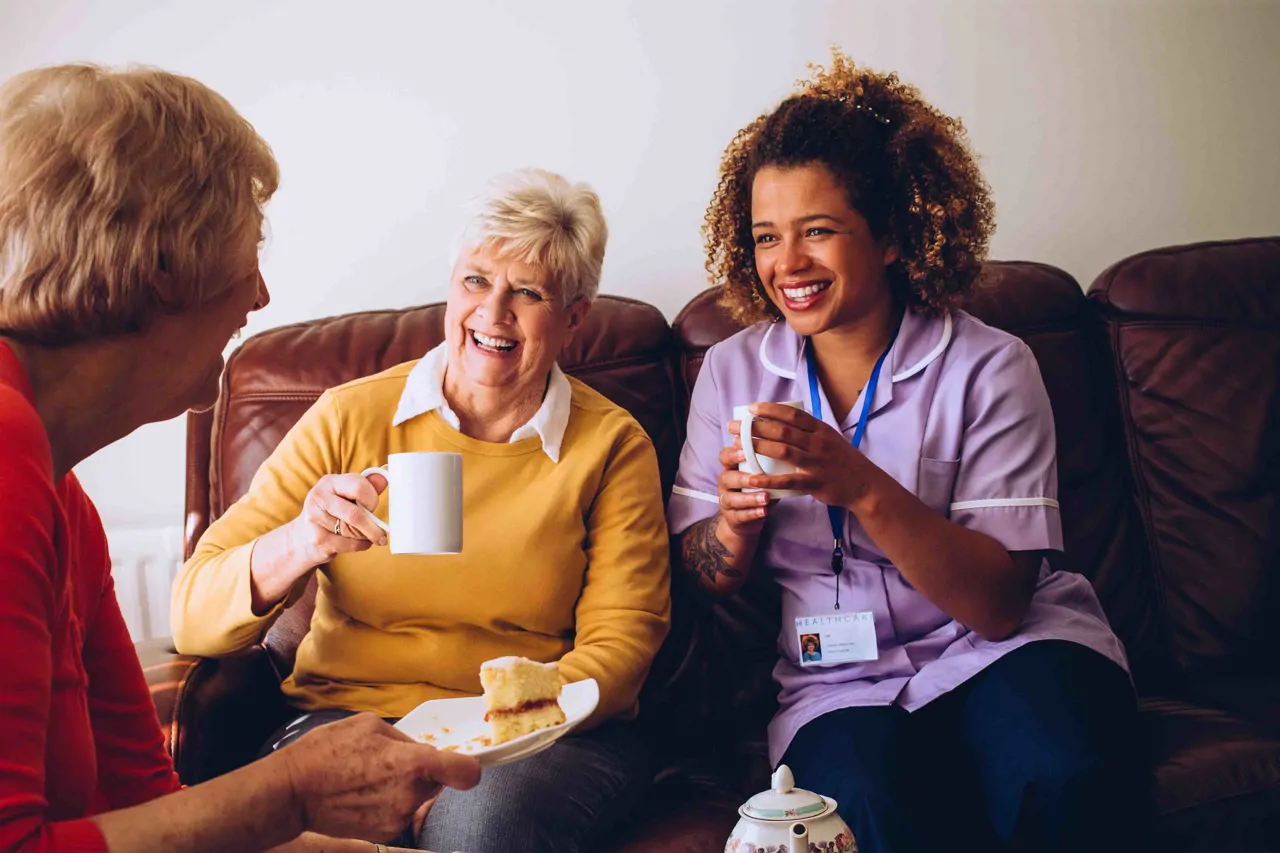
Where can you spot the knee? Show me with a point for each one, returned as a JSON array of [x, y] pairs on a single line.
[[1076, 777], [513, 817], [1074, 791]]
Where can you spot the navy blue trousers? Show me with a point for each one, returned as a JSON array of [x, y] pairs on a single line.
[[1038, 752]]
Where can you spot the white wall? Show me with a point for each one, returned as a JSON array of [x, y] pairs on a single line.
[[1105, 129]]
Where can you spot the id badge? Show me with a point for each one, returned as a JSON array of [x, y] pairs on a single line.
[[837, 638]]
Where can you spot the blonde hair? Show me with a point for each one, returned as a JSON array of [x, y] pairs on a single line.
[[539, 218], [122, 194]]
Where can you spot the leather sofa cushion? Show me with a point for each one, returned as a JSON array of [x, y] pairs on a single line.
[[1195, 335], [1216, 760]]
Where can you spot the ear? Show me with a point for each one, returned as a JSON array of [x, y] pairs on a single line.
[[891, 254], [577, 314]]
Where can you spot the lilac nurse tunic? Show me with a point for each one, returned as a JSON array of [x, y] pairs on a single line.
[[964, 422]]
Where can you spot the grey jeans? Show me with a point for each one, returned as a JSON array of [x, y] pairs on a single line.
[[572, 798]]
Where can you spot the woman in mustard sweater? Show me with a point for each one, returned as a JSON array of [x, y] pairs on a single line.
[[566, 547]]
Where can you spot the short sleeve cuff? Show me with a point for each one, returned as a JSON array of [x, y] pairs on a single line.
[[1019, 524], [689, 506]]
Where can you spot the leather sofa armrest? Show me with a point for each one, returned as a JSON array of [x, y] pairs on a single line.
[[217, 712], [165, 671]]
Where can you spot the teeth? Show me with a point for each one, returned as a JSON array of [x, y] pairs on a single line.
[[802, 292], [493, 343]]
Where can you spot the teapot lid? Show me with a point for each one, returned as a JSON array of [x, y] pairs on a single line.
[[784, 801]]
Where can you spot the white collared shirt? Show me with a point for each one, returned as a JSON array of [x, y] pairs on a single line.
[[424, 392]]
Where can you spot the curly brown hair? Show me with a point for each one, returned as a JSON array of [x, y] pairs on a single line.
[[907, 169]]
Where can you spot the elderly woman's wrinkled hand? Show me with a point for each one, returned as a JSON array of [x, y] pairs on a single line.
[[336, 518], [361, 778]]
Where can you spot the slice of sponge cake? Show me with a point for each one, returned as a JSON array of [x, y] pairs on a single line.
[[522, 696]]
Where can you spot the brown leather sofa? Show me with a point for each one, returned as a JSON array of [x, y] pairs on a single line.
[[1165, 383]]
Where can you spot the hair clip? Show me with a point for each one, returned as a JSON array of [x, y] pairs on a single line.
[[875, 115], [862, 108]]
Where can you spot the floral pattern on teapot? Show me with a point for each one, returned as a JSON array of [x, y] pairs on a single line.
[[843, 843]]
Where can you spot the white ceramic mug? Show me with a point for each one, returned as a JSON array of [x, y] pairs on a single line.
[[759, 463], [424, 495]]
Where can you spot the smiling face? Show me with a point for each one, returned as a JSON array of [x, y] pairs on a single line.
[[506, 323], [815, 255]]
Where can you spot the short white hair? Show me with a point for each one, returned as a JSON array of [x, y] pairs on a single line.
[[539, 218]]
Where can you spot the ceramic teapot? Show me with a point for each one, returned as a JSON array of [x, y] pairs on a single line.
[[787, 819]]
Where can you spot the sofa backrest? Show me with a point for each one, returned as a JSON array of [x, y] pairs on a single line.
[[623, 350], [1194, 335]]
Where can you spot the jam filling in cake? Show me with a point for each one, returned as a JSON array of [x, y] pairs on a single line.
[[522, 696]]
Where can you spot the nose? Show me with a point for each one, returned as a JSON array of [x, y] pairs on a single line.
[[264, 295], [792, 256], [497, 305]]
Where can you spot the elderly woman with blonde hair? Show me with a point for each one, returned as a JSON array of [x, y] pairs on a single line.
[[566, 555], [130, 216]]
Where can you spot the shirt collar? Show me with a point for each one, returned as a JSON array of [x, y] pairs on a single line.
[[921, 339], [424, 392]]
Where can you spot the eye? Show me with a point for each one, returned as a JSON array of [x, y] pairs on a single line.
[[762, 239], [817, 231], [531, 295], [474, 282]]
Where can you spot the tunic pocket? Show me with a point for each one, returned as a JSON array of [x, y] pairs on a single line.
[[936, 482]]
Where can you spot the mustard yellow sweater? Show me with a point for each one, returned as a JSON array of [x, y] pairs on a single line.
[[562, 561]]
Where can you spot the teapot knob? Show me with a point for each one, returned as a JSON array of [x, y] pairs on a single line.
[[783, 782]]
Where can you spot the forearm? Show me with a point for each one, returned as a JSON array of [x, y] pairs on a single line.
[[249, 809], [720, 559], [616, 649], [274, 567], [964, 573]]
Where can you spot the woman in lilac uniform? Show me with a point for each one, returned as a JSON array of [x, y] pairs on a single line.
[[967, 695]]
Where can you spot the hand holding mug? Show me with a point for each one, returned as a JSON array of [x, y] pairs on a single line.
[[743, 511], [822, 462], [757, 460], [337, 518]]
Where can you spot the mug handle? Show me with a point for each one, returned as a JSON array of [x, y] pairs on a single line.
[[385, 473], [748, 448]]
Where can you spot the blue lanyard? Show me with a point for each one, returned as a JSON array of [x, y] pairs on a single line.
[[836, 514]]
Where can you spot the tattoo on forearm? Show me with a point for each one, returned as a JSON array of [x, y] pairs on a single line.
[[705, 554]]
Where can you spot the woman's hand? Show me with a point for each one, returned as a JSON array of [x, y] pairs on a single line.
[[741, 513], [335, 519], [361, 778], [828, 467]]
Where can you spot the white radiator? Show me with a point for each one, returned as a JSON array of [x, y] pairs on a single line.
[[144, 562]]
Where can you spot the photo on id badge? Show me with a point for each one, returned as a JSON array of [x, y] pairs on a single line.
[[837, 638]]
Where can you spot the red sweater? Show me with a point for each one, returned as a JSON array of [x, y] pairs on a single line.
[[78, 730]]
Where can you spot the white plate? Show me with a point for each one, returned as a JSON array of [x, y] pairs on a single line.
[[459, 724]]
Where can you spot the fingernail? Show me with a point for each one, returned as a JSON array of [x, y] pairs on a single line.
[[382, 540], [760, 513], [762, 498]]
